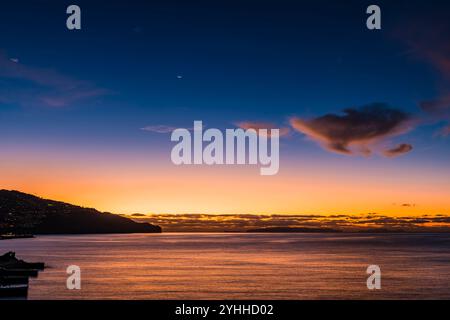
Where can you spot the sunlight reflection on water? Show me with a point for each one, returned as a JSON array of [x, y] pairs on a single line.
[[239, 266]]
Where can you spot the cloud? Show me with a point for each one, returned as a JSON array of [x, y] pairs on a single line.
[[429, 43], [262, 125], [439, 106], [61, 100], [162, 128], [159, 128], [44, 87], [408, 205], [398, 150], [439, 112], [356, 130], [445, 132], [341, 222]]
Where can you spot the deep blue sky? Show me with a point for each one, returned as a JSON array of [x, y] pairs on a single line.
[[165, 63], [246, 60], [239, 60]]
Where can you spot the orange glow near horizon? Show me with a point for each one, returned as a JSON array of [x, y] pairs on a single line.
[[154, 188]]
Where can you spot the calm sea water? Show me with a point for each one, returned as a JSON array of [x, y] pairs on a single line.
[[239, 266]]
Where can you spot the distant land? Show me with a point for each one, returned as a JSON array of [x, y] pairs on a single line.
[[22, 213]]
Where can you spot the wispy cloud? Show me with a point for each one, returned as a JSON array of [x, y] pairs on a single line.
[[160, 128], [445, 132], [284, 131], [429, 43], [398, 150], [44, 87], [438, 106], [408, 205], [356, 130]]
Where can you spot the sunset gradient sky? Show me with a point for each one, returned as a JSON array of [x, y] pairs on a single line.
[[85, 116]]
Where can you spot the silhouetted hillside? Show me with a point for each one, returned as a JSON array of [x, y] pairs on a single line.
[[24, 213]]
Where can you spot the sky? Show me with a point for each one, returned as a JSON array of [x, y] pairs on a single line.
[[86, 115]]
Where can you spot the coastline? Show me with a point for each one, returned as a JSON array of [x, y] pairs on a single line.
[[16, 236]]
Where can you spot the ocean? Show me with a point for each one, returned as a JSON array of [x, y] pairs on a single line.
[[239, 265]]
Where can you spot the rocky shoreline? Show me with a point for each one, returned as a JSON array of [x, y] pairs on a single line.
[[15, 274]]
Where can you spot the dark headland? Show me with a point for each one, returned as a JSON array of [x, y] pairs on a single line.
[[25, 214]]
